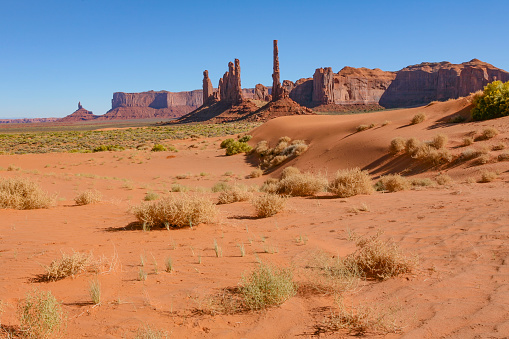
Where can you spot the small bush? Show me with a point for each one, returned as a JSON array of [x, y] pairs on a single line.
[[488, 176], [439, 141], [443, 179], [268, 205], [237, 147], [421, 182], [176, 211], [483, 159], [351, 182], [40, 315], [488, 133], [68, 265], [267, 286], [285, 148], [178, 188], [220, 187], [302, 184], [245, 138], [270, 185], [432, 155], [412, 146], [150, 196], [418, 118], [469, 154], [226, 142], [492, 103], [361, 128], [467, 141], [23, 194], [234, 194], [256, 173], [158, 148], [289, 171], [88, 197], [104, 148], [393, 183], [397, 145]]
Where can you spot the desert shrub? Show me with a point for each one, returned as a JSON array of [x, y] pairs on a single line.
[[289, 171], [88, 197], [483, 159], [267, 286], [95, 291], [488, 176], [351, 182], [439, 141], [361, 128], [378, 259], [226, 142], [285, 148], [234, 194], [412, 146], [392, 183], [469, 154], [467, 141], [245, 138], [270, 185], [432, 155], [498, 147], [68, 265], [176, 211], [104, 148], [159, 148], [220, 187], [421, 182], [277, 160], [418, 118], [492, 103], [503, 157], [150, 196], [268, 205], [256, 173], [40, 315], [178, 188], [443, 179], [488, 133], [236, 147], [23, 194], [397, 145], [262, 148], [302, 184]]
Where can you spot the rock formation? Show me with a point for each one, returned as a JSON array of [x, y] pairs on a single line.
[[230, 89], [277, 89], [288, 86], [262, 93], [323, 86], [420, 84], [208, 90], [80, 114]]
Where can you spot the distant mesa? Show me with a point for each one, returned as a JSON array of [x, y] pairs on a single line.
[[80, 114]]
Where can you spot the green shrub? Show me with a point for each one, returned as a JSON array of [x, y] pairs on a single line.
[[104, 148], [226, 142], [493, 102], [245, 138], [236, 147], [158, 148], [267, 286], [40, 315]]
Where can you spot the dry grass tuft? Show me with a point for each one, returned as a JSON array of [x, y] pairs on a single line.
[[443, 179], [418, 118], [176, 211], [289, 171], [421, 182], [488, 176], [88, 197], [270, 185], [397, 145], [488, 133], [23, 194], [40, 315], [469, 154], [361, 128], [393, 183], [301, 184], [234, 194], [256, 173], [503, 157], [268, 205], [439, 141], [284, 149], [350, 182], [432, 155], [412, 146], [483, 159], [467, 141], [68, 265]]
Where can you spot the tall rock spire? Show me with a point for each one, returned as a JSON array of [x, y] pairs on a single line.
[[207, 87], [277, 90]]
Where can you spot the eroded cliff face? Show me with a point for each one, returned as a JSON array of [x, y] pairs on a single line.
[[323, 86], [420, 84], [160, 99]]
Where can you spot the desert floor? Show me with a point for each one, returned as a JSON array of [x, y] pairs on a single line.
[[459, 232]]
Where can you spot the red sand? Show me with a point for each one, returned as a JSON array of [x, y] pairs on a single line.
[[460, 234]]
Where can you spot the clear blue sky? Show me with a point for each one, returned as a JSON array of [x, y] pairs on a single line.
[[54, 53]]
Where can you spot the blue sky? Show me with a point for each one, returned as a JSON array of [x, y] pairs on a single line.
[[54, 53]]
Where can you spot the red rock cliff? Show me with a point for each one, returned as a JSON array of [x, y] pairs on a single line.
[[323, 86]]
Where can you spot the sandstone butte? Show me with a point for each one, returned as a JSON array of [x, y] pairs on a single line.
[[349, 89]]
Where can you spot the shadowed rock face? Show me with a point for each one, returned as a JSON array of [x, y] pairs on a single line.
[[230, 89], [160, 99], [262, 93], [323, 86], [420, 84]]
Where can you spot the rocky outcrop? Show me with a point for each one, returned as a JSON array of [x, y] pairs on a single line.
[[262, 93], [277, 89], [27, 120], [80, 114], [288, 86], [420, 84], [230, 89], [159, 99], [323, 86], [208, 90], [302, 93]]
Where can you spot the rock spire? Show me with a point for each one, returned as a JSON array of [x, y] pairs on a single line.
[[208, 90]]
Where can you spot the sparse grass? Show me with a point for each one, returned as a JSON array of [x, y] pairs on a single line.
[[220, 187], [418, 118], [169, 265], [301, 184], [270, 186], [233, 194], [488, 133], [151, 196], [289, 171], [95, 291], [361, 128], [179, 188], [443, 179], [469, 154], [88, 197], [439, 141], [421, 182], [397, 145], [483, 159], [217, 249], [393, 183], [142, 275], [467, 141], [148, 332], [23, 194], [268, 205], [430, 154], [158, 148], [40, 315], [256, 173], [267, 286], [176, 211], [68, 265], [351, 182], [488, 176]]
